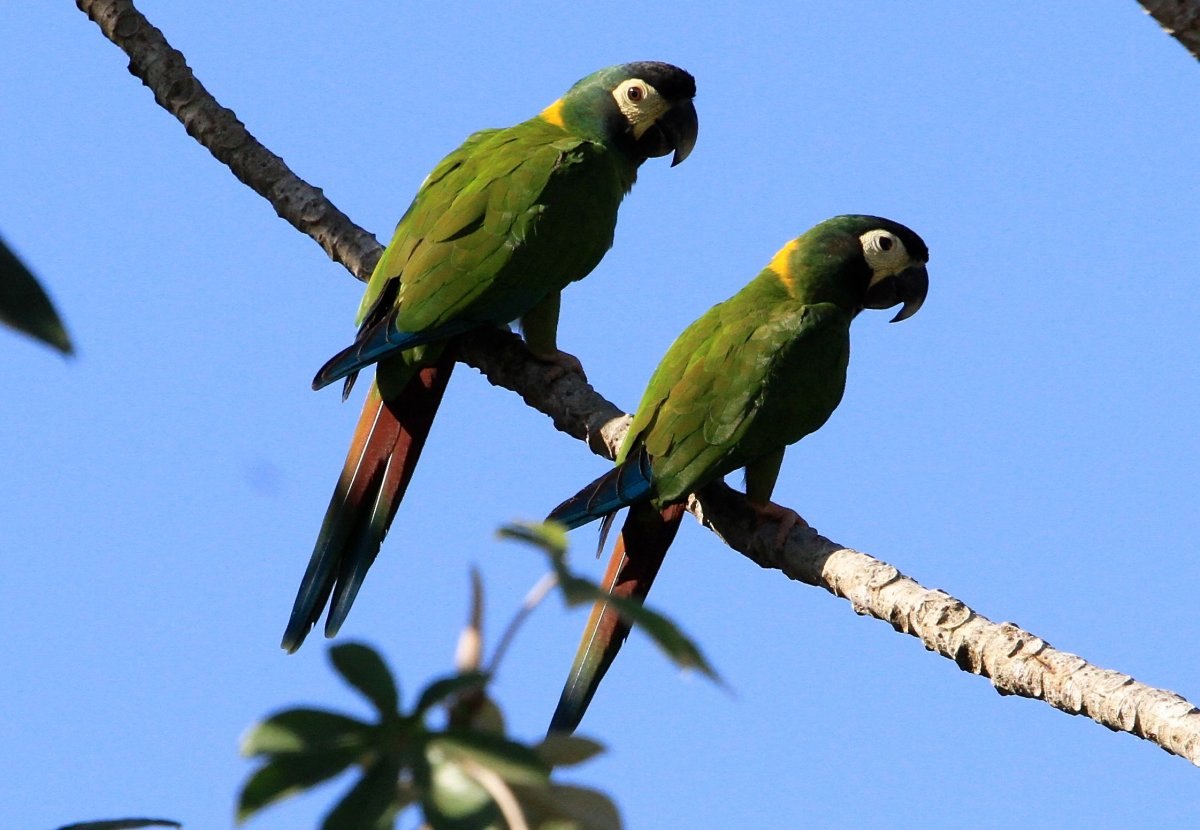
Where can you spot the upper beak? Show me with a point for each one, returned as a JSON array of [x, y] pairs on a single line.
[[681, 126], [910, 287], [675, 129]]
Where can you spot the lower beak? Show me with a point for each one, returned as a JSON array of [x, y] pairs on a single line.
[[909, 287]]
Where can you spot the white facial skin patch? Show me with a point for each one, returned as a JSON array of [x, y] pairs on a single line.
[[884, 252], [640, 103]]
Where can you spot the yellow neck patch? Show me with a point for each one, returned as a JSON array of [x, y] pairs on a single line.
[[780, 265], [553, 113]]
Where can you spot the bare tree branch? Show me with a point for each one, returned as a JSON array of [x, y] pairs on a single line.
[[1016, 661], [165, 71], [571, 403], [1180, 19]]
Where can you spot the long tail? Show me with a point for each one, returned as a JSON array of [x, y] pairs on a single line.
[[640, 549], [383, 454], [621, 486]]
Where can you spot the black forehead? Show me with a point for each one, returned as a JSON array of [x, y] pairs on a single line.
[[670, 81], [913, 243]]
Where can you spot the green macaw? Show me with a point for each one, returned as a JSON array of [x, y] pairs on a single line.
[[495, 232], [755, 374]]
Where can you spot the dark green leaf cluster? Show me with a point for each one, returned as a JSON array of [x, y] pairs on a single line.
[[466, 776], [25, 306]]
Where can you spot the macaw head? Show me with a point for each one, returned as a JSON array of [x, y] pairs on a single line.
[[897, 258], [857, 262], [644, 109]]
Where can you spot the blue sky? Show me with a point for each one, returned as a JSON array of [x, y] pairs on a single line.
[[1026, 442]]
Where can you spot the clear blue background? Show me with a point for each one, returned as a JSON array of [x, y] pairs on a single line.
[[1027, 442]]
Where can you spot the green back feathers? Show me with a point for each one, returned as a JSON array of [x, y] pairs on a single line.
[[554, 181], [754, 374]]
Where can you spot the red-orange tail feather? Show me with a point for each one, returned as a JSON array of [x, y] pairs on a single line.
[[383, 454], [641, 547]]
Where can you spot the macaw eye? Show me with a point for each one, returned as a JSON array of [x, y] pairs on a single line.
[[883, 250], [639, 102]]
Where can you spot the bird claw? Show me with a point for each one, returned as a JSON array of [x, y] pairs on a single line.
[[787, 517], [561, 363]]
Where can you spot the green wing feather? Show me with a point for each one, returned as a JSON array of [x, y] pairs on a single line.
[[461, 250], [404, 241], [745, 380]]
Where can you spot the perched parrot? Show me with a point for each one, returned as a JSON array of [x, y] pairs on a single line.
[[493, 235], [754, 374]]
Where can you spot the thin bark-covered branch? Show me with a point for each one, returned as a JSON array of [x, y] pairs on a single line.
[[1180, 19], [1016, 661], [165, 71]]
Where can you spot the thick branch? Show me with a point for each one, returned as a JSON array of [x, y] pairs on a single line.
[[218, 129], [1016, 662], [571, 403], [1180, 19]]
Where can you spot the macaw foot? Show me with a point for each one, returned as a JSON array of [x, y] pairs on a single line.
[[561, 363], [786, 516]]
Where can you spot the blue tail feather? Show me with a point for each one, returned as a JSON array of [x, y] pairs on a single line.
[[621, 486], [378, 341]]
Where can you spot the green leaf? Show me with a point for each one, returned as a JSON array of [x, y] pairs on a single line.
[[286, 775], [559, 750], [121, 824], [455, 800], [682, 650], [487, 717], [364, 669], [551, 537], [514, 762], [579, 591], [407, 792], [446, 687], [564, 807], [372, 803], [305, 730], [25, 306]]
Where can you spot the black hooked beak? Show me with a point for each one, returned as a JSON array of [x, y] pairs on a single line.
[[676, 129], [910, 287]]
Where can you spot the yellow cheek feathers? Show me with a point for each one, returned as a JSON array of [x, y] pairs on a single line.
[[553, 113], [780, 265]]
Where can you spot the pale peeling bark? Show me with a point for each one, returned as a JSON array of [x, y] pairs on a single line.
[[1180, 19], [1017, 662]]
